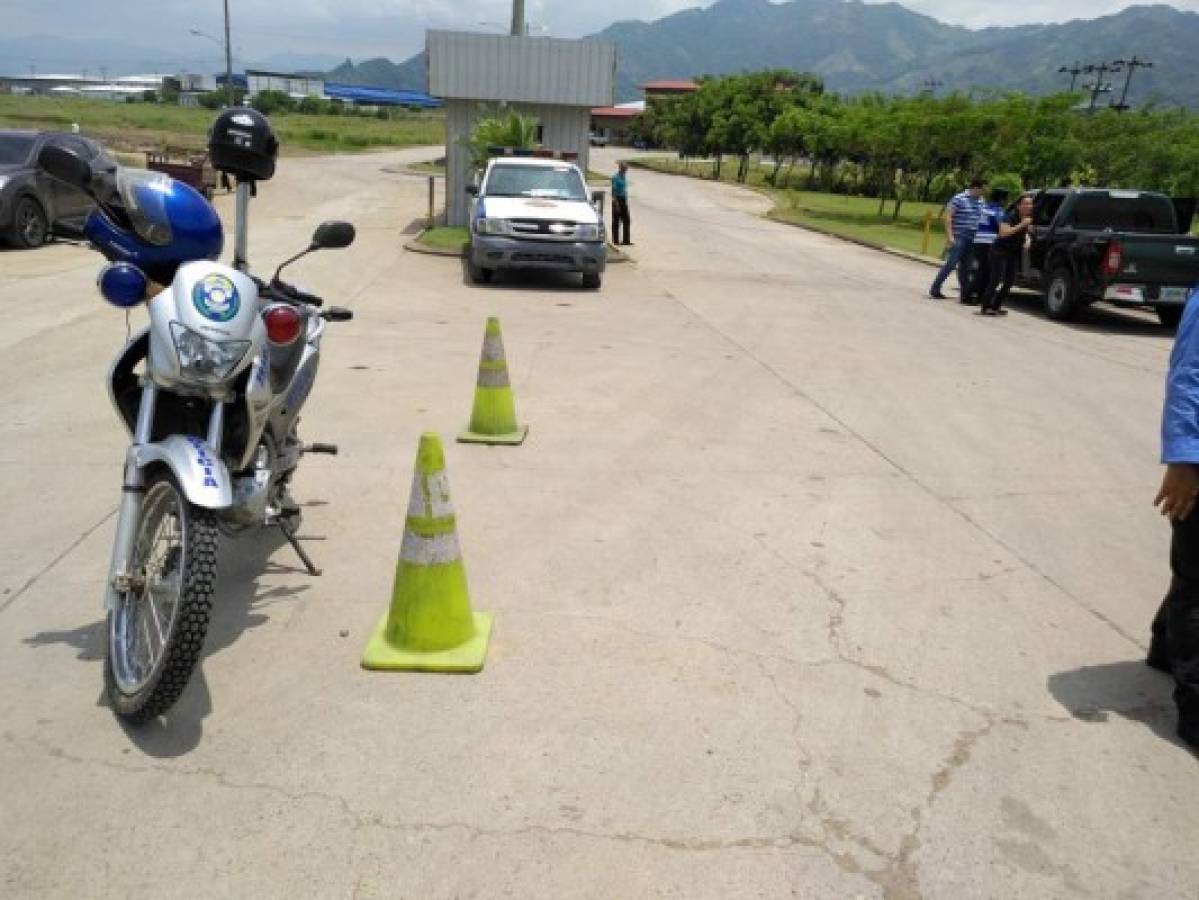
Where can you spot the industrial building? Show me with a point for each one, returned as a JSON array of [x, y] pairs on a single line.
[[296, 86], [612, 123], [554, 81], [373, 96], [68, 85]]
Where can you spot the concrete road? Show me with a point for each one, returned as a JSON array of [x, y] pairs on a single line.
[[805, 586]]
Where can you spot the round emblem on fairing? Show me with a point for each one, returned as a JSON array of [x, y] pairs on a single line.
[[216, 298]]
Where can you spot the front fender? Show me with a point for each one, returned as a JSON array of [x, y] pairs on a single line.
[[201, 474]]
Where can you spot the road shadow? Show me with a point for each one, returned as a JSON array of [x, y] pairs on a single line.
[[1129, 689], [1101, 318], [528, 280], [239, 606]]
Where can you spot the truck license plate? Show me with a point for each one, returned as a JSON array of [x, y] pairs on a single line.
[[1173, 295]]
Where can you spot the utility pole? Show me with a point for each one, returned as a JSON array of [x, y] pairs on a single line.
[[931, 85], [1073, 71], [1130, 66], [1098, 86], [228, 58], [519, 26]]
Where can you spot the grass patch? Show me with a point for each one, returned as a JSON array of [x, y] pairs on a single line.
[[434, 167], [854, 217], [446, 238], [132, 127]]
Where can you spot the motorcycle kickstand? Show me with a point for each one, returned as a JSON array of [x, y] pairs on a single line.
[[295, 545]]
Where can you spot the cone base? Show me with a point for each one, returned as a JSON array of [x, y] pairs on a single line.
[[379, 655], [511, 439]]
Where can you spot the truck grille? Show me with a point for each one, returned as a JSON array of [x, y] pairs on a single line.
[[538, 228]]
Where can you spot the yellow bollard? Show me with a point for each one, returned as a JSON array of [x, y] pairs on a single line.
[[928, 227]]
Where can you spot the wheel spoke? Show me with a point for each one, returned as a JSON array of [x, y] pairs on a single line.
[[142, 624], [162, 638]]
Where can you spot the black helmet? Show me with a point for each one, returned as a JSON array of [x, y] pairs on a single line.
[[242, 143]]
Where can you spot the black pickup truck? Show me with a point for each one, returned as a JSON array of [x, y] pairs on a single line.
[[1130, 247]]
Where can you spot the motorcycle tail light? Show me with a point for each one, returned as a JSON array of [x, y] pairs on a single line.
[[283, 324]]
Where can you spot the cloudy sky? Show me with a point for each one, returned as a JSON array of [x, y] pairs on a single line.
[[393, 28]]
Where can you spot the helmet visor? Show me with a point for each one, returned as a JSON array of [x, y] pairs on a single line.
[[144, 195]]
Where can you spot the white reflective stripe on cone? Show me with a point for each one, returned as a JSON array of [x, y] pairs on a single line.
[[430, 551], [493, 348], [430, 497]]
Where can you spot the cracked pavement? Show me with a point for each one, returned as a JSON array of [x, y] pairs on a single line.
[[804, 587]]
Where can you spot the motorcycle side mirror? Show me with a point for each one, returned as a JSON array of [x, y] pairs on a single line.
[[64, 165], [333, 236]]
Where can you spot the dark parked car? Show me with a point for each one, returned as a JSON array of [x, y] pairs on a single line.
[[32, 204]]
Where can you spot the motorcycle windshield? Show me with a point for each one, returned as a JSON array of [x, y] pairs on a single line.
[[143, 195]]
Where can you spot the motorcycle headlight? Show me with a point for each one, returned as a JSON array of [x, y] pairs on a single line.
[[587, 233], [491, 226], [205, 360]]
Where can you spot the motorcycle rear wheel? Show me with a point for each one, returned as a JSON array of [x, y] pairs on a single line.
[[156, 633]]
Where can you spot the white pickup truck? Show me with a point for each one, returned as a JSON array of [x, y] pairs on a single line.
[[533, 212]]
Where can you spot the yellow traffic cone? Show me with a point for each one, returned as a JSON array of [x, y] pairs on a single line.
[[430, 626], [493, 419]]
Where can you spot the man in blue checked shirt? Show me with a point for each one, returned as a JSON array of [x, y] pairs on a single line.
[[1175, 644], [965, 212]]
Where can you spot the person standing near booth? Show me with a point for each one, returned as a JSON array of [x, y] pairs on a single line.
[[620, 206]]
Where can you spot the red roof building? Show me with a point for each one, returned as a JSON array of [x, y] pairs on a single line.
[[669, 87]]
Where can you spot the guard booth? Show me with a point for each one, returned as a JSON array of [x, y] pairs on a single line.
[[556, 82]]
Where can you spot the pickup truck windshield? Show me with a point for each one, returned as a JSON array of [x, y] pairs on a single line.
[[1145, 213], [550, 182]]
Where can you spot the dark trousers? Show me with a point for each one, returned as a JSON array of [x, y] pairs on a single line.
[[1176, 625], [981, 273], [620, 216], [1001, 277]]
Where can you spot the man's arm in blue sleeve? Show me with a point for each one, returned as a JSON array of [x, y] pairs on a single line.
[[1180, 417]]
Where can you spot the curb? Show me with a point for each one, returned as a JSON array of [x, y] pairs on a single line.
[[861, 242], [615, 257]]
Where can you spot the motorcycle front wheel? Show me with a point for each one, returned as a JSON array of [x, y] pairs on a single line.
[[156, 633]]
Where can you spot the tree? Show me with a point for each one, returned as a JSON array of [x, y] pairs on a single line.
[[270, 102], [513, 130]]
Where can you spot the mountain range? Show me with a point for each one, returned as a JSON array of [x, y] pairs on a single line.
[[98, 57], [885, 47], [855, 46]]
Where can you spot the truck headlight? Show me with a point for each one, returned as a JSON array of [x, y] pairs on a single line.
[[491, 226], [204, 360], [587, 232]]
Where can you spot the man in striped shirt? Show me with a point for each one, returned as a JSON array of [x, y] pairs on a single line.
[[965, 211], [984, 239]]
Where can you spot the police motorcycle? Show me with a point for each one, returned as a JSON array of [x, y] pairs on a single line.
[[210, 392]]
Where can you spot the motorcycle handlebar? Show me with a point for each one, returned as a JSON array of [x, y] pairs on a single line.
[[280, 290]]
